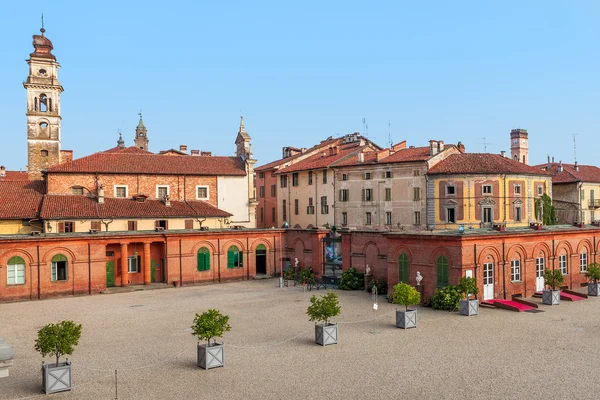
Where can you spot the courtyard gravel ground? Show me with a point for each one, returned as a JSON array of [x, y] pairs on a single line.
[[270, 351]]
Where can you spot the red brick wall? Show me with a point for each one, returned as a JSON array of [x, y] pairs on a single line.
[[268, 202], [458, 197]]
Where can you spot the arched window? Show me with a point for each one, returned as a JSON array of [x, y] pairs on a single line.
[[403, 268], [516, 157], [16, 271], [59, 268], [442, 271], [203, 259], [235, 258], [43, 103]]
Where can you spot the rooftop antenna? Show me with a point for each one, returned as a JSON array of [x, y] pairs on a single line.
[[574, 147], [390, 133], [140, 113], [485, 144], [365, 128], [42, 20]]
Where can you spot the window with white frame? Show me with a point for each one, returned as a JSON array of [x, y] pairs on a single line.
[[583, 262], [487, 189], [450, 215], [133, 264], [450, 190], [368, 219], [202, 192], [15, 271], [162, 191], [517, 189], [121, 191], [59, 271], [562, 263], [540, 190], [515, 270], [388, 218], [344, 218]]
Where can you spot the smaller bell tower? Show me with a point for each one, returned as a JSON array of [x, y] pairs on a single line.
[[141, 135], [519, 145]]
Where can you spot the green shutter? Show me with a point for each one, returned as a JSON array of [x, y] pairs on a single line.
[[204, 259], [59, 257], [16, 260], [231, 254], [442, 271], [403, 268], [110, 273]]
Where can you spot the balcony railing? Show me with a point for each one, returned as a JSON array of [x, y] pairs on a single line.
[[594, 203]]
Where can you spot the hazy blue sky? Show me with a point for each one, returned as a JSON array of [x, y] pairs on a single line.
[[449, 70]]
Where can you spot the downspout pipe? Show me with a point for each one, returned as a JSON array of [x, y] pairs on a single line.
[[89, 270], [180, 265]]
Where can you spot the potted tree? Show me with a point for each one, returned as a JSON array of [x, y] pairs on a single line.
[[321, 309], [406, 295], [57, 340], [468, 288], [553, 279], [593, 275], [207, 326]]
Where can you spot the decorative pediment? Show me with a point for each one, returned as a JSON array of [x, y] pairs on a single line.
[[487, 201], [450, 202], [517, 202]]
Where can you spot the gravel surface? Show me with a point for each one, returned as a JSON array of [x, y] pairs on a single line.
[[270, 351]]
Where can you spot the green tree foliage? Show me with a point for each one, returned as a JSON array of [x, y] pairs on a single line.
[[468, 287], [553, 278], [593, 273], [380, 284], [545, 210], [446, 298], [58, 339], [352, 280], [323, 308], [210, 324], [405, 295]]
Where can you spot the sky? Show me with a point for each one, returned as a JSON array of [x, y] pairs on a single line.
[[299, 72]]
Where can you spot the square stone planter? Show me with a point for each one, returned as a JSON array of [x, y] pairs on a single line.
[[326, 334], [469, 307], [7, 355], [57, 377], [551, 297], [593, 289], [406, 319], [212, 356]]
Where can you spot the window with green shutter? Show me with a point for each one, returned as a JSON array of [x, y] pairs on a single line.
[[59, 270], [235, 258], [203, 259], [403, 268], [442, 271]]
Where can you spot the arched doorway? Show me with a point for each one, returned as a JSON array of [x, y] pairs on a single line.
[[261, 259]]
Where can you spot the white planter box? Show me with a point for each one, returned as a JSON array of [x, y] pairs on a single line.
[[594, 289], [57, 377], [212, 356], [551, 297], [406, 319], [469, 307], [7, 355], [326, 334]]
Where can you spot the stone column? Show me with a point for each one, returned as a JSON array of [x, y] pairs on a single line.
[[124, 271], [147, 276]]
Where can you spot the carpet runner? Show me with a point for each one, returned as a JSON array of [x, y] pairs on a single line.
[[566, 296], [509, 305]]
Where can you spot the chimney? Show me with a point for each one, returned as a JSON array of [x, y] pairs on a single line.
[[361, 156], [548, 158], [168, 201], [576, 166], [560, 167], [100, 193], [2, 170], [362, 142], [183, 148], [303, 150], [195, 152], [440, 146], [552, 160], [433, 147], [336, 150], [503, 154], [382, 154], [399, 146], [461, 147], [206, 153]]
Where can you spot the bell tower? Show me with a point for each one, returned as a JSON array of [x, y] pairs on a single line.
[[43, 107], [519, 145], [141, 135]]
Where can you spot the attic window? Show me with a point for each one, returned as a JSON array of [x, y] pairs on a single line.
[[140, 199], [77, 190]]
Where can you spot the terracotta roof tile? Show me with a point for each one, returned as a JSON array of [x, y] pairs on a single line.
[[586, 173], [68, 206], [15, 176], [20, 199], [128, 150], [320, 161], [482, 163], [404, 155], [123, 162], [281, 161]]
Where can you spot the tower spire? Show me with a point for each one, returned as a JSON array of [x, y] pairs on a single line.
[[42, 29], [242, 127]]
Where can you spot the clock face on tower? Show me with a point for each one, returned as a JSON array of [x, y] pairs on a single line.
[[516, 141], [523, 143]]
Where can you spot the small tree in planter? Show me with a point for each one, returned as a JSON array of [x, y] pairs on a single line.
[[406, 295], [207, 326], [593, 275], [321, 309], [468, 288], [57, 340], [554, 279]]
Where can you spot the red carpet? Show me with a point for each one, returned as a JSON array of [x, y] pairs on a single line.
[[566, 296], [509, 305]]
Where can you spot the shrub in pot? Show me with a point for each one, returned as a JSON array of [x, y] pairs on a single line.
[[405, 295], [554, 279], [207, 326], [446, 298], [58, 340], [306, 276], [468, 288], [321, 309], [352, 280], [593, 275]]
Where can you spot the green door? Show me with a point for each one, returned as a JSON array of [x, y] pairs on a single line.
[[152, 270], [110, 273]]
